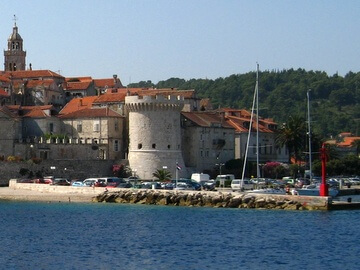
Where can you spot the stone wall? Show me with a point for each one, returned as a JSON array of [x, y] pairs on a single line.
[[215, 199]]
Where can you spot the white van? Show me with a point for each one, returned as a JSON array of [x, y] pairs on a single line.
[[238, 184], [222, 178], [200, 177]]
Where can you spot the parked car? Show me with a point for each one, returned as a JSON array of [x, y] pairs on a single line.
[[77, 184], [124, 185], [89, 182], [239, 184], [61, 182]]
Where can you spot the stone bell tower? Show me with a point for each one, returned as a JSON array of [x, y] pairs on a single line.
[[15, 55]]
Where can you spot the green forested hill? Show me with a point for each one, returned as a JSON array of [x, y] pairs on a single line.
[[334, 99]]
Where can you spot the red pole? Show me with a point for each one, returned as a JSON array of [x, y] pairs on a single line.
[[324, 191]]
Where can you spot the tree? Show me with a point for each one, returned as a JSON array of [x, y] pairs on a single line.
[[162, 174], [292, 135], [356, 144]]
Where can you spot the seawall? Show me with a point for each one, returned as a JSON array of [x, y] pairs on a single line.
[[182, 198], [215, 199]]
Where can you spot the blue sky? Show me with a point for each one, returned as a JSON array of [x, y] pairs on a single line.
[[159, 39]]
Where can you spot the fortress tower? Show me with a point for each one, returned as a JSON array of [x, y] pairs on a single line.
[[15, 55], [155, 134]]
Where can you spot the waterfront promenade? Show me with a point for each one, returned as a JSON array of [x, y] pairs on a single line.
[[7, 193]]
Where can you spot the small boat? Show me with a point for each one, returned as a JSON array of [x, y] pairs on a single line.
[[268, 191], [314, 190]]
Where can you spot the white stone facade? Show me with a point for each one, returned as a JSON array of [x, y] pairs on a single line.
[[155, 135]]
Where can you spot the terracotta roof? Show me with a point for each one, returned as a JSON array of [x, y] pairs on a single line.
[[237, 123], [78, 104], [91, 113], [104, 82], [31, 74], [79, 79], [30, 111], [347, 142], [4, 79], [35, 83], [72, 86], [167, 92], [206, 119], [110, 97]]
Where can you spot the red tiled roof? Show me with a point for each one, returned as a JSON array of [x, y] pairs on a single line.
[[30, 111], [347, 142], [110, 97], [91, 113], [237, 123], [31, 74], [78, 104], [4, 79], [79, 79], [72, 86], [206, 119], [35, 83], [167, 92], [109, 83]]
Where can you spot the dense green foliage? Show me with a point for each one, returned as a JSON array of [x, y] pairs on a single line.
[[335, 105]]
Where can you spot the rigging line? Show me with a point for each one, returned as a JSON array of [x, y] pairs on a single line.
[[250, 126]]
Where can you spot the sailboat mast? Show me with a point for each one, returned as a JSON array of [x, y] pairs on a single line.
[[309, 131], [257, 122]]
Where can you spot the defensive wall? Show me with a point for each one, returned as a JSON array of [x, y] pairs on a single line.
[[155, 134]]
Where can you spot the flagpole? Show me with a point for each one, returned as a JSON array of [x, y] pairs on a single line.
[[176, 174]]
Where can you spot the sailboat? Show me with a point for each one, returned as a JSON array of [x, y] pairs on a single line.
[[312, 189], [256, 104]]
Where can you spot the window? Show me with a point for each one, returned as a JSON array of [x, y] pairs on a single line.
[[79, 127], [51, 127], [153, 145], [139, 145], [96, 126], [116, 145], [168, 146], [116, 127], [254, 149]]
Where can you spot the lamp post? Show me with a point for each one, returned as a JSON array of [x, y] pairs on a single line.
[[222, 181]]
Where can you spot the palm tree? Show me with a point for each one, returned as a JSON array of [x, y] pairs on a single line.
[[292, 136], [162, 174]]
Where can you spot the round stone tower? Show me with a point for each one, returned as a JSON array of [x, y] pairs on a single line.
[[155, 135]]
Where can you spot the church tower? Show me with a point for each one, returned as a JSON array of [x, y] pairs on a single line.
[[15, 55]]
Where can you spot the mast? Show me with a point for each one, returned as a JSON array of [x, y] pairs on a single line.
[[257, 122], [250, 127], [309, 133]]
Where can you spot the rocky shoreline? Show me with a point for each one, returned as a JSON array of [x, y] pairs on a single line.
[[214, 199]]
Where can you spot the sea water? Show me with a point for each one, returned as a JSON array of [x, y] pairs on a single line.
[[116, 236]]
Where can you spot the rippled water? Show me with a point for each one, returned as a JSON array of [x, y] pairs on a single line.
[[114, 236]]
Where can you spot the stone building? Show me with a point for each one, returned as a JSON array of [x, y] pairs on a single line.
[[268, 151], [10, 131], [101, 126], [208, 141]]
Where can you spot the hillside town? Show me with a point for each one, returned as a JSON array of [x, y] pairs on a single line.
[[46, 116]]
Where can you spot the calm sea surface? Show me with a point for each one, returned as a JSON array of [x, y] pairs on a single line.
[[114, 236]]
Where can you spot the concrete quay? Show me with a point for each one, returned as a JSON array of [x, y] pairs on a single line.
[[218, 199]]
